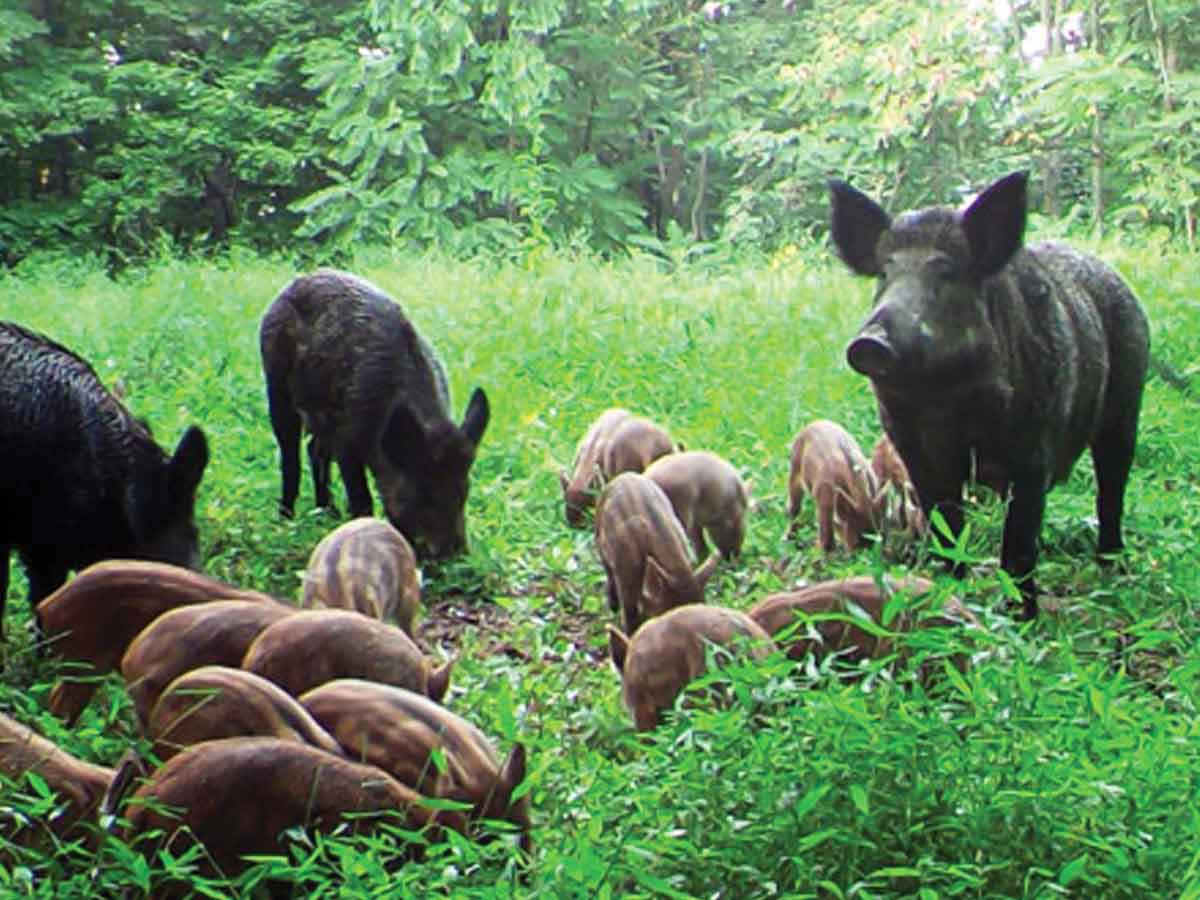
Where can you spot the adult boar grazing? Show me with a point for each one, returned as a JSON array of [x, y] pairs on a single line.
[[368, 566], [828, 465], [83, 479], [980, 347], [646, 557], [667, 653], [707, 495], [343, 362]]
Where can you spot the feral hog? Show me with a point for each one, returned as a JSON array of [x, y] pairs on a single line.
[[215, 702], [344, 363], [707, 495], [646, 557], [617, 442], [833, 629], [980, 347], [236, 796], [84, 480], [399, 731], [80, 786], [368, 566], [312, 647], [93, 618], [897, 506], [828, 465], [669, 652], [217, 633]]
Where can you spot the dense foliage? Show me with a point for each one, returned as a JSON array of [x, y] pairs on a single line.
[[485, 125], [1062, 763]]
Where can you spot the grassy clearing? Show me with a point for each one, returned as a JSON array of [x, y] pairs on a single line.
[[1064, 762]]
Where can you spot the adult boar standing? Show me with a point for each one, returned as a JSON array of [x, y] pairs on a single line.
[[343, 362], [978, 346], [83, 479]]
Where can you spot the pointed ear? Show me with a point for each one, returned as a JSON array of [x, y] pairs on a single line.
[[618, 647], [857, 222], [655, 582], [475, 420], [187, 465], [439, 682], [995, 224], [563, 480], [512, 773]]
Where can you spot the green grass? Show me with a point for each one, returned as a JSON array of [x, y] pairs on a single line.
[[1063, 763]]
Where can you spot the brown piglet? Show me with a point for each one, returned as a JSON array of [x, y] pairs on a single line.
[[829, 466], [236, 796], [585, 480], [833, 628], [708, 496], [215, 702], [217, 633], [93, 618], [368, 566], [646, 555], [399, 731], [315, 646], [668, 652], [898, 507], [80, 786]]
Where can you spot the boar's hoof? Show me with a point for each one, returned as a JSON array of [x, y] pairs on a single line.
[[871, 355]]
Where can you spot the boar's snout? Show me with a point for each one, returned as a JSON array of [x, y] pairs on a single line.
[[871, 354]]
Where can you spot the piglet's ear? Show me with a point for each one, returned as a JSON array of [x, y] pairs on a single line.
[[857, 223], [618, 647], [995, 224]]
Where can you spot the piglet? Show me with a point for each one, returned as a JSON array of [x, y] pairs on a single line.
[[315, 646], [215, 633], [897, 505], [80, 786], [646, 556], [368, 566], [214, 702], [617, 442], [833, 629], [829, 466], [236, 796], [399, 731], [93, 618], [668, 652], [707, 495]]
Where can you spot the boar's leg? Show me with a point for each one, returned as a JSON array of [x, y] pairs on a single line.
[[319, 464], [1112, 457], [1022, 529], [5, 553], [285, 422], [825, 502], [354, 478], [44, 579], [610, 588]]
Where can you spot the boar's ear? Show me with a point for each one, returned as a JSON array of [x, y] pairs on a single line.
[[439, 682], [618, 647], [995, 224], [512, 773], [564, 480], [187, 465], [856, 224], [475, 420]]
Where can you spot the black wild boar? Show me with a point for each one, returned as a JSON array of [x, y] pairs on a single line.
[[343, 362], [977, 345], [84, 480]]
